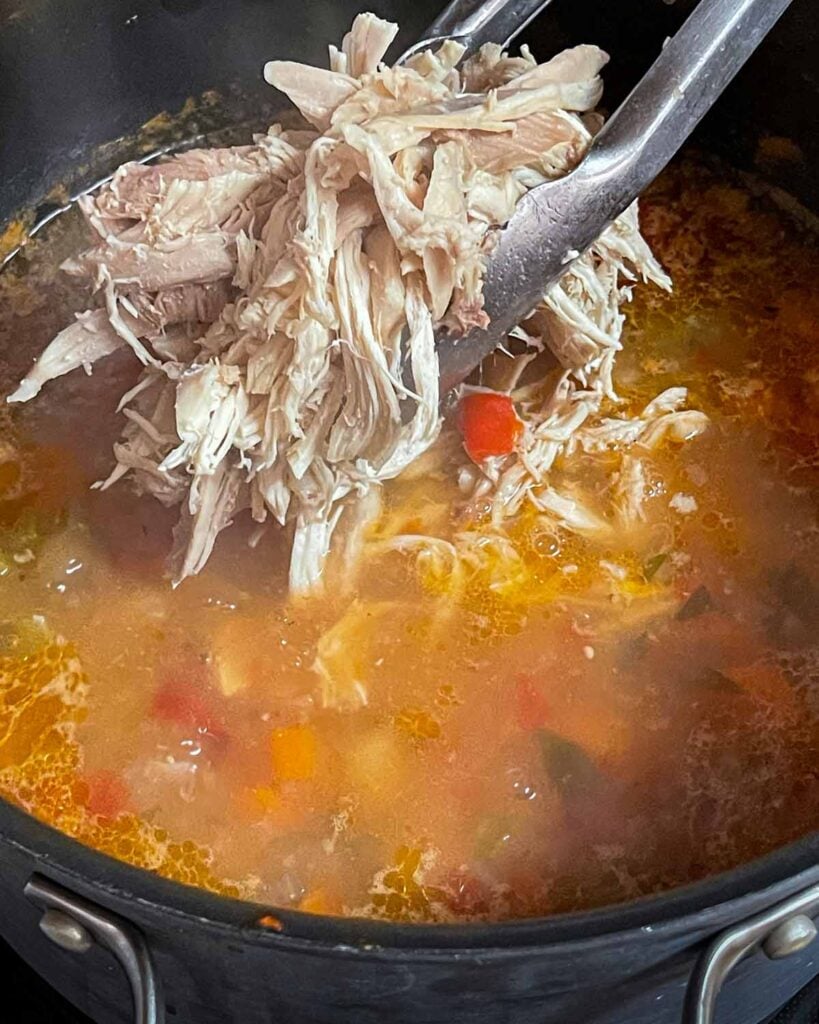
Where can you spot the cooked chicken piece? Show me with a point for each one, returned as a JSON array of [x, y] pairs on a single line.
[[314, 91], [569, 512], [135, 188], [490, 67], [195, 259], [661, 419], [283, 296], [365, 44], [630, 492], [187, 303], [89, 338], [387, 293], [209, 510], [550, 140]]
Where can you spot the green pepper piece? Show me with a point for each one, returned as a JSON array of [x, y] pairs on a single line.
[[697, 604], [568, 765]]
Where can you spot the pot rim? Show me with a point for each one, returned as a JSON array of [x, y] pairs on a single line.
[[94, 871]]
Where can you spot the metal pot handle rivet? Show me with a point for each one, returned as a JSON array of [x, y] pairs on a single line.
[[74, 924], [779, 932], [791, 936], [65, 932]]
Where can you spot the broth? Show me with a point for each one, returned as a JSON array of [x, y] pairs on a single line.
[[579, 723]]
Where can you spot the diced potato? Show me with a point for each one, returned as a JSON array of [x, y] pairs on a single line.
[[377, 762], [230, 673]]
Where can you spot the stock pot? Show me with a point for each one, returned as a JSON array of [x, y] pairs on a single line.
[[78, 79]]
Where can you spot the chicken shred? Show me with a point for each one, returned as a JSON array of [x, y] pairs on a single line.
[[307, 267]]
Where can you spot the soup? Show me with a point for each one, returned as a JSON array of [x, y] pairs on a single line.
[[425, 748], [562, 659]]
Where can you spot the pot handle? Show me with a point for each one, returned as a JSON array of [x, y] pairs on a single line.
[[779, 932], [74, 923]]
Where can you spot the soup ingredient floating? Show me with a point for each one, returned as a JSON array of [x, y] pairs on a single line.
[[272, 293]]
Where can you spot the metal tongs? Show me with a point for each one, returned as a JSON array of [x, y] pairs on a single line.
[[559, 220]]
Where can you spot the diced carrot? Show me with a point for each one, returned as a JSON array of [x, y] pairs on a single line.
[[489, 424], [285, 811], [272, 922], [531, 707], [293, 751], [320, 901], [258, 802], [107, 794]]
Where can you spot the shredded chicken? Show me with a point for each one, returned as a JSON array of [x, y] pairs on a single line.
[[309, 267]]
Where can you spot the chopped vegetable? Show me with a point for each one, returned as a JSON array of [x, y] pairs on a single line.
[[697, 604], [9, 475], [633, 650], [589, 720], [107, 794], [653, 564], [716, 681], [286, 812], [183, 702], [569, 767], [23, 536], [35, 484], [293, 753], [489, 424], [272, 922], [376, 764]]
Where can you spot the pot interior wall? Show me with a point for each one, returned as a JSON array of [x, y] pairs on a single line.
[[75, 74]]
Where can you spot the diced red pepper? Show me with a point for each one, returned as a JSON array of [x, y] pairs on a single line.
[[107, 794], [531, 707], [489, 424], [183, 703]]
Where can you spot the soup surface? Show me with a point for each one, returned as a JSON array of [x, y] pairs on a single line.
[[542, 726]]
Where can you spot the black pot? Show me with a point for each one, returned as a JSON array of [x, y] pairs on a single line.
[[77, 73]]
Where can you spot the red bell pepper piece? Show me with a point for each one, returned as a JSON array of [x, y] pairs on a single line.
[[489, 424], [107, 794]]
